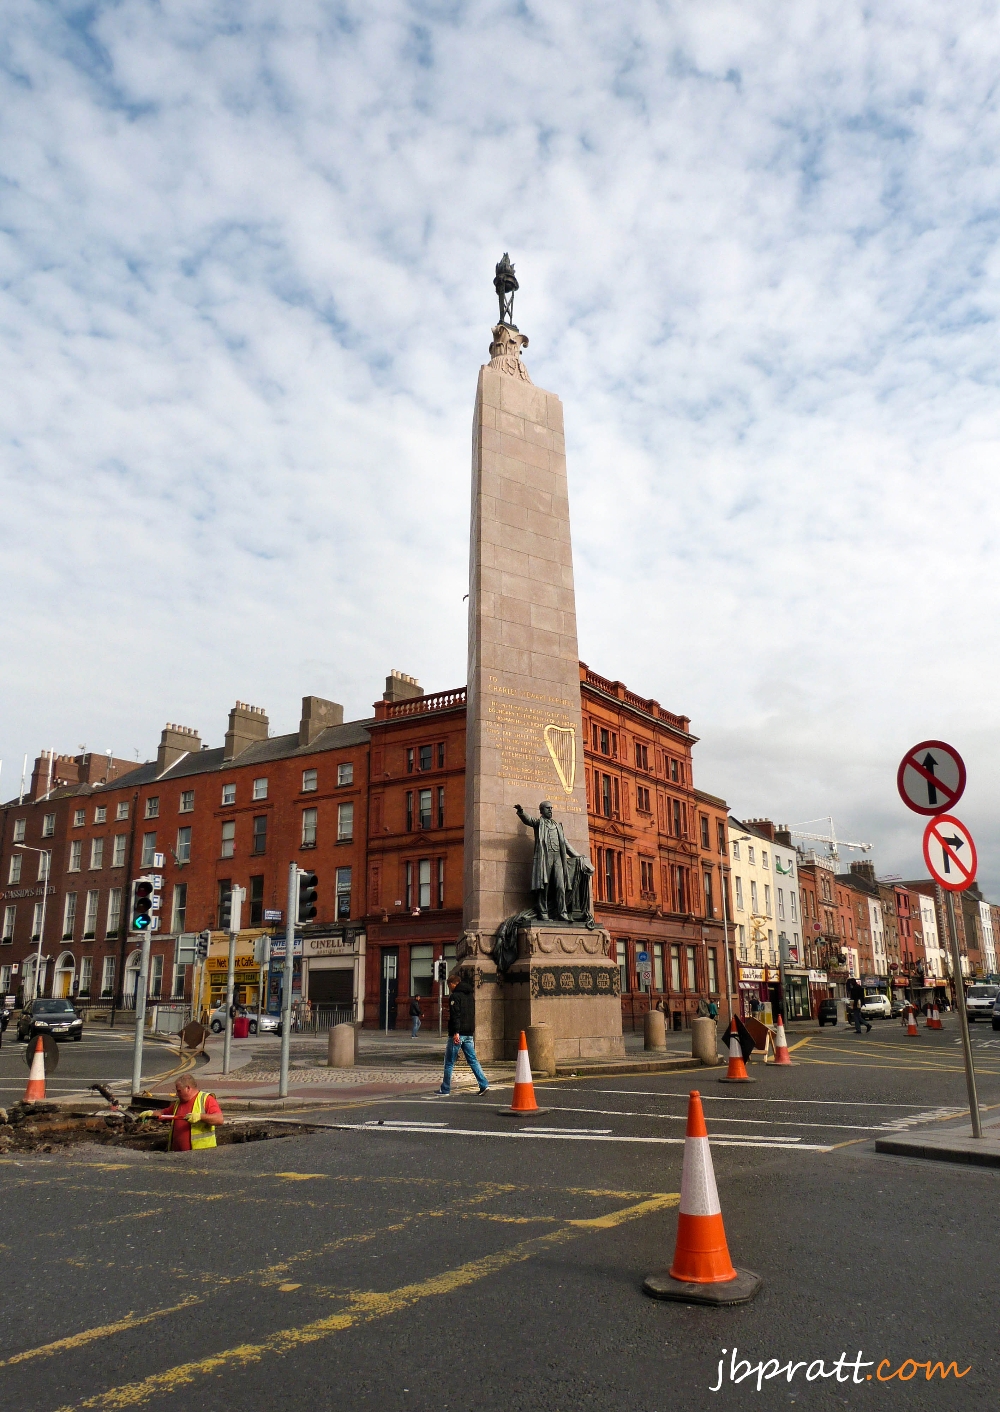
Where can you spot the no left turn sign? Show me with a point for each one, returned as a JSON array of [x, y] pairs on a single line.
[[931, 777], [950, 853]]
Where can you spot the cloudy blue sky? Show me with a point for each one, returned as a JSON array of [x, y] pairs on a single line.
[[245, 263]]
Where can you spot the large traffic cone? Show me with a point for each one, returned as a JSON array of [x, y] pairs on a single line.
[[911, 1023], [737, 1071], [702, 1272], [934, 1019], [781, 1055], [524, 1090], [35, 1091]]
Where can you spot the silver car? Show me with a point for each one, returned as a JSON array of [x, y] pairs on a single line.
[[263, 1024], [979, 1000]]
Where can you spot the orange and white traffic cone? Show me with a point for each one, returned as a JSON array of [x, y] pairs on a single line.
[[737, 1071], [35, 1091], [934, 1019], [781, 1055], [911, 1023], [702, 1271], [524, 1090]]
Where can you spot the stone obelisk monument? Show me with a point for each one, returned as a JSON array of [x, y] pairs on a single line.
[[529, 942]]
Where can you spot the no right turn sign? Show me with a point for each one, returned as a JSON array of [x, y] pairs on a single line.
[[950, 853]]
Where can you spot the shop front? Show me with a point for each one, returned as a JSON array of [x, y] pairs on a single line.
[[819, 989], [246, 979], [759, 991], [798, 1005], [334, 973]]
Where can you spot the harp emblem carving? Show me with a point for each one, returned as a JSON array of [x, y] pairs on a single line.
[[560, 741]]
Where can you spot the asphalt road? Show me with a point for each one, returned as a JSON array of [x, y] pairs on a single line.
[[102, 1056], [452, 1257]]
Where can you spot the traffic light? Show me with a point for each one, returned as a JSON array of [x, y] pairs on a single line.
[[201, 945], [225, 910], [307, 896], [441, 969], [142, 904]]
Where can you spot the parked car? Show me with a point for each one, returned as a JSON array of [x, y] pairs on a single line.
[[827, 1011], [996, 1013], [55, 1017], [266, 1024], [876, 1005], [898, 1008], [980, 1001]]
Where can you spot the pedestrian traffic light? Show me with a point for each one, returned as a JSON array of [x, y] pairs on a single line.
[[142, 904], [307, 896], [201, 945]]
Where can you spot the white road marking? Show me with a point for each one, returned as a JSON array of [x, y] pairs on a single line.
[[681, 1117], [733, 1098], [794, 1145]]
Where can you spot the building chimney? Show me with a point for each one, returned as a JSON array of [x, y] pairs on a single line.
[[318, 715], [783, 834], [763, 826], [247, 725], [175, 742], [400, 687], [865, 868]]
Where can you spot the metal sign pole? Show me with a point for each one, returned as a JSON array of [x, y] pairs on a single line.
[[236, 897], [228, 1041], [140, 1013], [725, 948], [289, 971], [963, 1015]]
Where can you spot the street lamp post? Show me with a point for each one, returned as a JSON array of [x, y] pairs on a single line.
[[47, 868]]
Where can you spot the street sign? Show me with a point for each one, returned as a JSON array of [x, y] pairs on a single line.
[[644, 972], [642, 955], [931, 777], [272, 914], [950, 853]]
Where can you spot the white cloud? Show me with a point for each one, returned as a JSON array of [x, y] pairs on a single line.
[[245, 266]]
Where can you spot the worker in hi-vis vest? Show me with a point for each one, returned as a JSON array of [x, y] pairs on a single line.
[[193, 1116]]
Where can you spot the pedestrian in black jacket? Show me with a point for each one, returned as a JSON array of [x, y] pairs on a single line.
[[415, 1016], [461, 1029]]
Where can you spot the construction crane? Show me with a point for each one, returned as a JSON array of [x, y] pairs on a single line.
[[830, 838]]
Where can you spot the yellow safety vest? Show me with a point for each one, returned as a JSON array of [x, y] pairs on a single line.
[[202, 1134]]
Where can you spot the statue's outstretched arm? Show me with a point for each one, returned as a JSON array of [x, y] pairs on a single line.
[[526, 818]]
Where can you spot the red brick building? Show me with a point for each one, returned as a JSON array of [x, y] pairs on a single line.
[[376, 809]]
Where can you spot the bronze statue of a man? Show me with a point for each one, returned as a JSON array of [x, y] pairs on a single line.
[[560, 875]]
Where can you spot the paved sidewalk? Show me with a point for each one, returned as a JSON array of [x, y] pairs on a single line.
[[388, 1065]]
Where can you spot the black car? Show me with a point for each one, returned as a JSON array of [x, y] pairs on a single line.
[[827, 1011], [54, 1017]]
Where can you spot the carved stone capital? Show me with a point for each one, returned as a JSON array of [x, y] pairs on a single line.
[[505, 352]]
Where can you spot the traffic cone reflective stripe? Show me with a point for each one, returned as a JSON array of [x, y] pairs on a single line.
[[911, 1024], [524, 1089], [701, 1255], [36, 1074], [934, 1019], [781, 1055]]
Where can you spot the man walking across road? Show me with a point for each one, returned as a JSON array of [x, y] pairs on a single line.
[[857, 995], [461, 1029]]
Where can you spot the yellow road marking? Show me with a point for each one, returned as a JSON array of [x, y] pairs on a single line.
[[299, 1176], [792, 1047], [287, 1288], [130, 1321], [363, 1306]]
